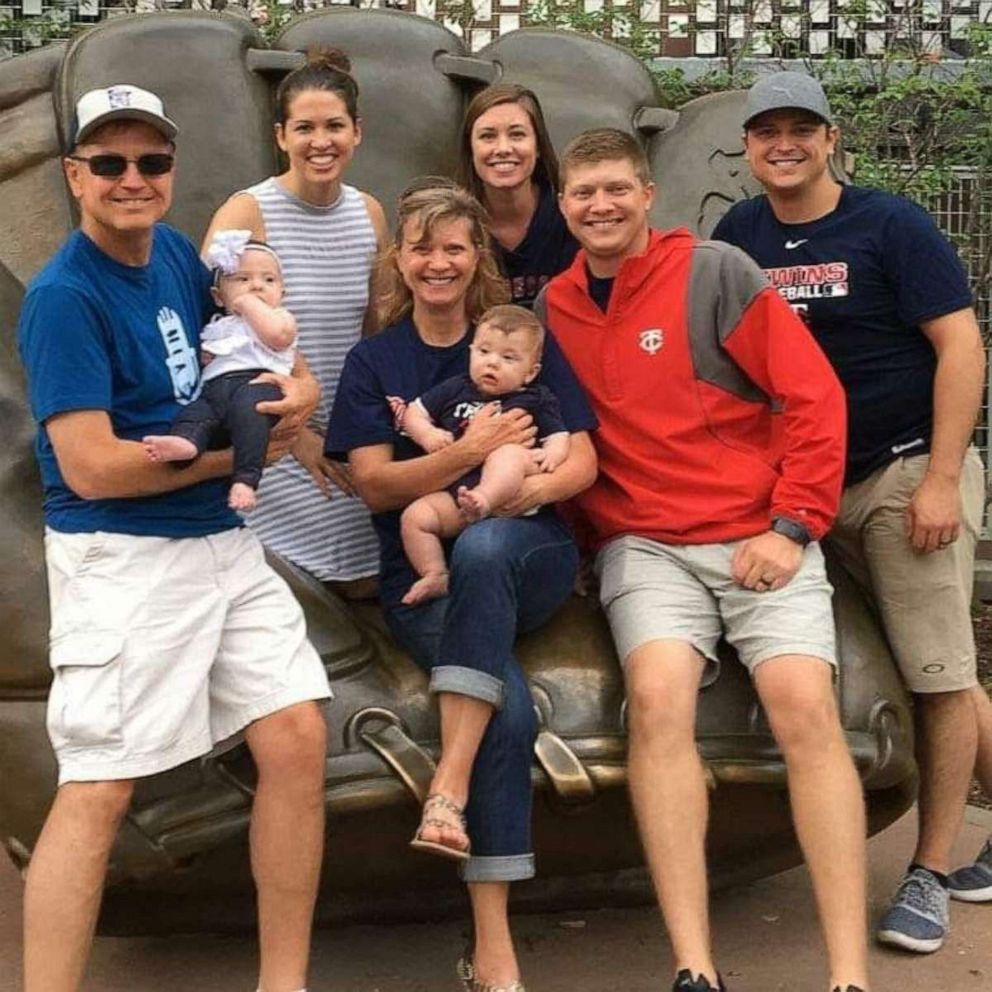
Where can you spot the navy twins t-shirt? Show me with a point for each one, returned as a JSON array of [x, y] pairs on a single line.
[[547, 249], [864, 278], [454, 402]]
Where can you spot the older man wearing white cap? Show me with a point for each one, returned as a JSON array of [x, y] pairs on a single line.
[[169, 632], [888, 300]]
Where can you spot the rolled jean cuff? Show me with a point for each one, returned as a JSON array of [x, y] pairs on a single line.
[[467, 682], [506, 868]]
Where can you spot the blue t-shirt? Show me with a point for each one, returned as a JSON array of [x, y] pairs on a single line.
[[95, 334], [396, 362], [547, 249], [864, 278]]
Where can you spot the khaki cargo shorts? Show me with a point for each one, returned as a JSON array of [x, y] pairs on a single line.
[[924, 600]]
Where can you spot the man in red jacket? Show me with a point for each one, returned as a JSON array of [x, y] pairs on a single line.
[[721, 452]]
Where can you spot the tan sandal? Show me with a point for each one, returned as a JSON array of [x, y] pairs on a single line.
[[466, 972], [436, 802]]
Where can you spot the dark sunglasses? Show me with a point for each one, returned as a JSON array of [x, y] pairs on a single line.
[[111, 166]]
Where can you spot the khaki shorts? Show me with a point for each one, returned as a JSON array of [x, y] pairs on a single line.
[[163, 647], [924, 600], [654, 591]]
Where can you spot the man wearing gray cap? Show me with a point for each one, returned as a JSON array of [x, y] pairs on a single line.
[[169, 633], [888, 300]]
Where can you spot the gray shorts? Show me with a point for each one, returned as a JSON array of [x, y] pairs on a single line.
[[162, 648], [652, 591]]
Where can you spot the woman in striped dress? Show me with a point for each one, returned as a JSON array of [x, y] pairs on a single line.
[[327, 234]]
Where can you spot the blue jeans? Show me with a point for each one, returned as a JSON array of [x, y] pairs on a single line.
[[507, 576]]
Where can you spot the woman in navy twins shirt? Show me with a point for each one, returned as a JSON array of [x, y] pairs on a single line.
[[508, 162], [507, 574]]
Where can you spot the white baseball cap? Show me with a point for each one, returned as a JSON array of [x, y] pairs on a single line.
[[122, 102]]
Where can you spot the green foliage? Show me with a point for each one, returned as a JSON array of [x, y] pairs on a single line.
[[917, 126], [912, 121], [676, 88], [271, 17], [53, 25], [622, 25]]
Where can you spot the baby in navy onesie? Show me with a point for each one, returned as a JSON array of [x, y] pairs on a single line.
[[504, 359]]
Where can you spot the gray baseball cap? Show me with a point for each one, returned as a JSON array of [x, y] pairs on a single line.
[[787, 91]]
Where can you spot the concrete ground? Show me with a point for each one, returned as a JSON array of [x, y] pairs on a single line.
[[766, 938]]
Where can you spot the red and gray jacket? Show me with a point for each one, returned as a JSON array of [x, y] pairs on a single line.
[[717, 409]]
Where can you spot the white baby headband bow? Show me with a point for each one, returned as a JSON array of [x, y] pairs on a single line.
[[227, 247]]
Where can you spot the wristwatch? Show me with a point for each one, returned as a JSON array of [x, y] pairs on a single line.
[[791, 529]]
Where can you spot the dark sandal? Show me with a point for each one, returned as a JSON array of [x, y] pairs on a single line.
[[435, 801], [466, 972]]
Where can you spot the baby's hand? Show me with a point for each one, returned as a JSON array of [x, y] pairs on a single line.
[[546, 459], [397, 407], [435, 439]]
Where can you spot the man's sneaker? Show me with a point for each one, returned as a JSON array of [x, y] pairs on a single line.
[[973, 883], [918, 917], [684, 982]]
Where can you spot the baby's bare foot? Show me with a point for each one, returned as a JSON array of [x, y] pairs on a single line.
[[241, 497], [430, 586], [168, 448], [473, 504]]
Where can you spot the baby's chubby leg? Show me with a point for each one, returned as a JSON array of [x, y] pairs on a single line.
[[190, 432], [503, 473], [423, 523]]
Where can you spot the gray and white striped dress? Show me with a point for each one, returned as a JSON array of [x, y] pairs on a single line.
[[326, 255]]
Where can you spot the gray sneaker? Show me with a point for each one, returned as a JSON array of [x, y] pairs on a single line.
[[973, 883], [917, 920]]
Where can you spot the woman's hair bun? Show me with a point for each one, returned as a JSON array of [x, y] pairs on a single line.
[[329, 58]]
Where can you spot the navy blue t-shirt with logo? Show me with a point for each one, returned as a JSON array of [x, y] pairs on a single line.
[[864, 278], [95, 334], [454, 402]]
